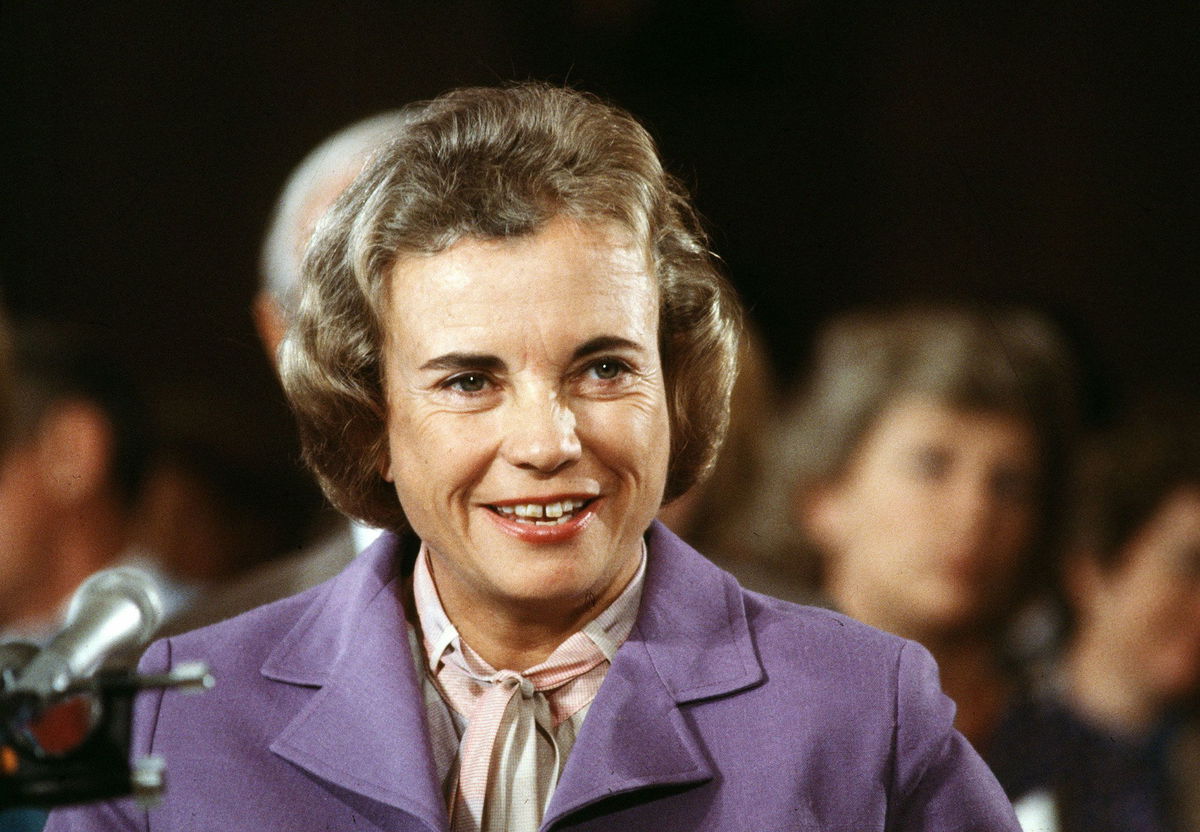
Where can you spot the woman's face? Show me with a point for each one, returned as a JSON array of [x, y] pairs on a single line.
[[928, 526], [528, 432]]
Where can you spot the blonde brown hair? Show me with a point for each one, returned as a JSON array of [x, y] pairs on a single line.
[[495, 163]]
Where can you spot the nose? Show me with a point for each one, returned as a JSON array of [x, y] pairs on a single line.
[[540, 432]]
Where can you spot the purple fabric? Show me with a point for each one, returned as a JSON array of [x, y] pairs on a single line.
[[724, 710]]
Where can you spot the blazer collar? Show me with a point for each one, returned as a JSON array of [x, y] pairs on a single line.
[[691, 642], [365, 730], [693, 623]]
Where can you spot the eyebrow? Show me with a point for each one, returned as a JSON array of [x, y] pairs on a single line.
[[458, 361], [604, 343], [465, 361]]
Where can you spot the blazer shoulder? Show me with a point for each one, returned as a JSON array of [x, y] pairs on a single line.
[[249, 636], [772, 618], [343, 593], [812, 648]]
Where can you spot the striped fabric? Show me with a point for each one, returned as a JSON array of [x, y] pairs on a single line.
[[516, 728]]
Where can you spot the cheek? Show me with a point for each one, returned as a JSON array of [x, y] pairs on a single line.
[[23, 508], [1170, 607], [891, 512], [1140, 614], [435, 453], [636, 432], [874, 535], [1163, 630], [901, 506]]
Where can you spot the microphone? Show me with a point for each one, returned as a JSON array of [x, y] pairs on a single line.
[[112, 611]]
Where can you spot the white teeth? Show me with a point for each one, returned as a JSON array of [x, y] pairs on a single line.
[[557, 512]]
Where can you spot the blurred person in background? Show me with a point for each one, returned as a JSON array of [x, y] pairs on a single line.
[[1127, 681], [925, 463], [1133, 575], [70, 479], [307, 194], [311, 188]]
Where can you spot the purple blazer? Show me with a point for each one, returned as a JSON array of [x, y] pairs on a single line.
[[724, 710]]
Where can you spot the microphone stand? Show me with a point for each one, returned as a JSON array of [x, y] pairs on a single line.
[[40, 770]]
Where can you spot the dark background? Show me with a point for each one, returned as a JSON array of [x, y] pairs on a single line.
[[1043, 154]]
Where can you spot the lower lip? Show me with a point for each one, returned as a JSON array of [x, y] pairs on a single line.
[[558, 533]]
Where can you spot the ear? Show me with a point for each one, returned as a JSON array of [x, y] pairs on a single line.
[[74, 449], [270, 323]]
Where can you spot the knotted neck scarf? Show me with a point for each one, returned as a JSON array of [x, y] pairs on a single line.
[[509, 756]]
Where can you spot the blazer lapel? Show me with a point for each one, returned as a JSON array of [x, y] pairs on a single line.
[[364, 729], [691, 642]]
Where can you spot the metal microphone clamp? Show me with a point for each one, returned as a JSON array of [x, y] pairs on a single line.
[[74, 746]]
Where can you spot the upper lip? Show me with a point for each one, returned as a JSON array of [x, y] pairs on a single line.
[[553, 498]]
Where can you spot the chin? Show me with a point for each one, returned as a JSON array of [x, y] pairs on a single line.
[[547, 582]]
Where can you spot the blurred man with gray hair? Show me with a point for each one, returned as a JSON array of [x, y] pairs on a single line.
[[309, 191]]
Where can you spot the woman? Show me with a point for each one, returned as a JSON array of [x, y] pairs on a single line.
[[925, 464], [513, 344]]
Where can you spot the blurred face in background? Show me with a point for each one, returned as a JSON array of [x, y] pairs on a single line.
[[51, 483], [925, 531]]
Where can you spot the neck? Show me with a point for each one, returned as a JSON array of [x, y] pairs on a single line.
[[511, 634], [507, 644], [1104, 691]]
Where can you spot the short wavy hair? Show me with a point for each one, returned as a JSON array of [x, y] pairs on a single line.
[[495, 163]]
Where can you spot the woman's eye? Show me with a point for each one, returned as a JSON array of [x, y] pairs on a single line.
[[468, 383], [608, 369]]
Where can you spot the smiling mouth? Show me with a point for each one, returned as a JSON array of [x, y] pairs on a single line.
[[541, 514]]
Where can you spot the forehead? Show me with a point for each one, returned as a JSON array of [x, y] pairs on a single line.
[[924, 417], [567, 280]]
